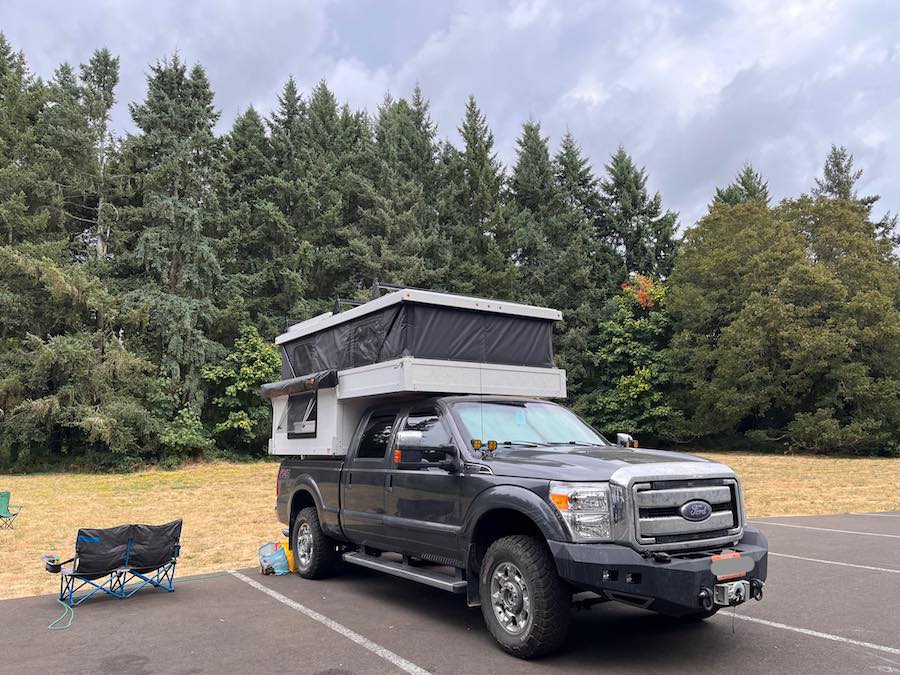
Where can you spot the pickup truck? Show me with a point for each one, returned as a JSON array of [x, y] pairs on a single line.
[[521, 506]]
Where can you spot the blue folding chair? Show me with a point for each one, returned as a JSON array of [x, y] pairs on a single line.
[[110, 560]]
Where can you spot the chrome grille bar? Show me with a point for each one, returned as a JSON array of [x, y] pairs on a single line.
[[659, 521]]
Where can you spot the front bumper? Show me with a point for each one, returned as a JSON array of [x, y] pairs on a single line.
[[672, 587]]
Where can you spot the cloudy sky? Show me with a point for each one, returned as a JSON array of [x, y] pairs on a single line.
[[692, 89]]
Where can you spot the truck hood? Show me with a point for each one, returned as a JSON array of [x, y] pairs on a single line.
[[576, 462]]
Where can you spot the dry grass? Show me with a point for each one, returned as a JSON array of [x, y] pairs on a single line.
[[777, 485], [228, 509]]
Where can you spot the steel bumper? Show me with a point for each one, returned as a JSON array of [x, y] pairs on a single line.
[[672, 587]]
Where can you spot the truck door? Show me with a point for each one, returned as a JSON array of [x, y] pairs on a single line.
[[423, 500], [363, 481]]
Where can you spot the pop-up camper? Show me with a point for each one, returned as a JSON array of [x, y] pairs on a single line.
[[403, 343]]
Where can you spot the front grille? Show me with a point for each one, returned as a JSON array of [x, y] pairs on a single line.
[[659, 520]]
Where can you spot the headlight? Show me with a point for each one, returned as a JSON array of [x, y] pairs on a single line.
[[585, 508]]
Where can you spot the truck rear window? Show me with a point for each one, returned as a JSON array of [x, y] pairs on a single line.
[[374, 441]]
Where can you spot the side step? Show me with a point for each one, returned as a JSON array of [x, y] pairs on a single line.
[[399, 569]]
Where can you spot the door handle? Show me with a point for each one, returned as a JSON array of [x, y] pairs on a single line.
[[349, 480], [389, 482]]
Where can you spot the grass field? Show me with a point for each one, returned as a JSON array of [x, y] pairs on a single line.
[[228, 509]]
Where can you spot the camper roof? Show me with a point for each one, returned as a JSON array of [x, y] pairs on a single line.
[[329, 319]]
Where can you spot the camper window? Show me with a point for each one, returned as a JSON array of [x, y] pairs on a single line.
[[299, 420]]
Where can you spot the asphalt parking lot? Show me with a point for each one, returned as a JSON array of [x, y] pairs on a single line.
[[832, 605]]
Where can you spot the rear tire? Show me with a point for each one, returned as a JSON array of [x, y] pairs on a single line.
[[525, 604], [315, 553]]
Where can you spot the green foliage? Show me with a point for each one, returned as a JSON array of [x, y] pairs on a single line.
[[251, 362], [788, 328], [630, 390], [748, 186], [634, 219], [184, 437]]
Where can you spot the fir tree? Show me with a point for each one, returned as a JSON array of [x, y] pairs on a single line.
[[172, 215], [472, 216], [839, 178], [635, 219], [748, 186]]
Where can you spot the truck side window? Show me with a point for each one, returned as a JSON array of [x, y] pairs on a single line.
[[428, 422], [374, 440], [299, 419], [429, 439]]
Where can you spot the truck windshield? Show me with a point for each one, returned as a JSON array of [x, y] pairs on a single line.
[[524, 424]]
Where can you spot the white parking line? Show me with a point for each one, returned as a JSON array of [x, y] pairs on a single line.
[[813, 633], [827, 529], [881, 515], [384, 653], [834, 562]]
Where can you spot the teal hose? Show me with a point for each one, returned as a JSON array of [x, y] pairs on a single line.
[[67, 612]]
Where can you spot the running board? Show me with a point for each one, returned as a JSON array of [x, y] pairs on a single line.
[[398, 569]]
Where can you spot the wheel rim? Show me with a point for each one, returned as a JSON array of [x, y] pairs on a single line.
[[510, 598], [304, 545]]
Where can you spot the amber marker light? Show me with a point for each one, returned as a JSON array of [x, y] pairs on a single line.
[[561, 501]]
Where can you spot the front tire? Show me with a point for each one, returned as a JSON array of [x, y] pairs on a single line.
[[315, 553], [525, 604]]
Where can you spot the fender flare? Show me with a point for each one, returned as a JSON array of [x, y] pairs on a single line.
[[328, 517], [305, 483], [515, 498]]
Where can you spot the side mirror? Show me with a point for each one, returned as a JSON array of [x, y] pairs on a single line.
[[626, 441], [409, 439], [410, 457]]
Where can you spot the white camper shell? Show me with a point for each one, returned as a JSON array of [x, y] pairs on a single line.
[[408, 341]]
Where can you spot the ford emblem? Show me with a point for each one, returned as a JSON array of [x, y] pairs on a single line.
[[695, 511]]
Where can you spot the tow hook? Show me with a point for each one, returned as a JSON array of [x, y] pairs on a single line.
[[706, 599], [662, 557], [756, 589]]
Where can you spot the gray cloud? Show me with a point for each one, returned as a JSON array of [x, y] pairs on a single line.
[[692, 89]]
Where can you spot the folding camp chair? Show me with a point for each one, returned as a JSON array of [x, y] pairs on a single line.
[[6, 516], [108, 560]]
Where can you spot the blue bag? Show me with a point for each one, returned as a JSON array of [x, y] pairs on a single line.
[[272, 559]]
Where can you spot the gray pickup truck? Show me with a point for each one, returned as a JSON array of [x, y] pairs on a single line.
[[522, 506]]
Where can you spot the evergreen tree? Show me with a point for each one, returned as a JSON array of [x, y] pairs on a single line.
[[171, 266], [839, 178], [22, 215], [748, 186], [471, 211], [635, 219], [575, 178], [99, 78], [785, 327]]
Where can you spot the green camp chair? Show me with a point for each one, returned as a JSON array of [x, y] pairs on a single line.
[[6, 516]]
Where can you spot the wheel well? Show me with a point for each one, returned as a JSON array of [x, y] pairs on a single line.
[[502, 523], [301, 499], [496, 524], [492, 526]]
